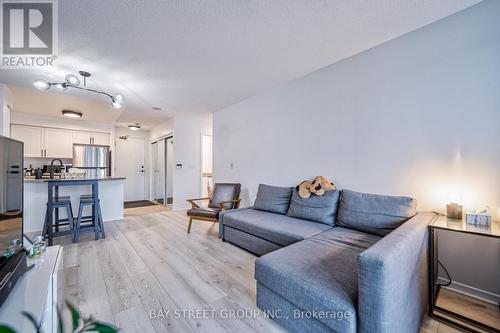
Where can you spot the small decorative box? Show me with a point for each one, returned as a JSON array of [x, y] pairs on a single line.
[[477, 218], [454, 211]]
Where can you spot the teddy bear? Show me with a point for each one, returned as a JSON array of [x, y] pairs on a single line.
[[321, 184], [304, 189], [318, 187]]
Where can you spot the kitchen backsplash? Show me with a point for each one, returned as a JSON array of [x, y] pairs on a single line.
[[40, 162]]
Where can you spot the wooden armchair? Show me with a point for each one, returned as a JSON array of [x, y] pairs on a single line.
[[225, 196]]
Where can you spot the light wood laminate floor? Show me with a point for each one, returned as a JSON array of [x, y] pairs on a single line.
[[148, 262]]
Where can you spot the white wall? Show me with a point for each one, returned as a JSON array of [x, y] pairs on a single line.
[[419, 116], [162, 129], [6, 104], [188, 131]]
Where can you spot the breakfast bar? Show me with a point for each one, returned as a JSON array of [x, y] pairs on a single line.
[[38, 193]]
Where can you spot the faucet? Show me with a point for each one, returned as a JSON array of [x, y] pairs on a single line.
[[52, 167]]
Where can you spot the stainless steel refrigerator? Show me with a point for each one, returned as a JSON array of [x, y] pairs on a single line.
[[94, 159]]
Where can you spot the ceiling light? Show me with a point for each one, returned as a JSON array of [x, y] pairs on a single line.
[[61, 86], [72, 114], [72, 80], [41, 84], [134, 127], [116, 105]]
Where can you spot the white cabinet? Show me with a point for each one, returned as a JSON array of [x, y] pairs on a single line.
[[32, 138], [36, 293], [100, 139], [91, 138], [82, 137], [54, 142], [58, 143]]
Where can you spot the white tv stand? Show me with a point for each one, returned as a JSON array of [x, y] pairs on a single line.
[[37, 293]]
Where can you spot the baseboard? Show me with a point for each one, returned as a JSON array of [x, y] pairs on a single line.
[[464, 289]]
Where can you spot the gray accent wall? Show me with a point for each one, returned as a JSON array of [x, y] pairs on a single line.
[[418, 115]]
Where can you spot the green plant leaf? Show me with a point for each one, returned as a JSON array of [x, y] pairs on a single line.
[[101, 328], [6, 329], [60, 324], [75, 315], [32, 320]]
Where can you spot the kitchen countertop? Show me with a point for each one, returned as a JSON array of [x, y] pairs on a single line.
[[46, 180]]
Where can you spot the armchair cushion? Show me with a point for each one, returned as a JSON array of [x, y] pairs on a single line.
[[273, 199], [206, 212], [225, 192]]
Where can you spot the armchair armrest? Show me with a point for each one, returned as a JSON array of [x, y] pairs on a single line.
[[222, 204], [194, 204], [392, 279]]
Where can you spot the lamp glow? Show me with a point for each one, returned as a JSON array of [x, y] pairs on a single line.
[[72, 114], [119, 98], [41, 84], [72, 80], [61, 86], [116, 104], [134, 127]]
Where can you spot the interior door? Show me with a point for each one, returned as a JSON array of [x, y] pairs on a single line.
[[58, 143], [129, 163], [160, 172], [170, 170], [32, 138]]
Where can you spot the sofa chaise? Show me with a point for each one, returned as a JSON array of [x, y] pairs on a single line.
[[342, 262]]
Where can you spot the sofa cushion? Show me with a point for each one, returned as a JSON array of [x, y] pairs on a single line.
[[373, 213], [279, 229], [319, 273], [273, 199], [322, 209]]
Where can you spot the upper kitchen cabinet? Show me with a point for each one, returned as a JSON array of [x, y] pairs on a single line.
[[100, 139], [32, 138], [91, 138], [54, 142], [82, 137], [58, 143]]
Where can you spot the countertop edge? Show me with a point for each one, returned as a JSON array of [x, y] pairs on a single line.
[[34, 181]]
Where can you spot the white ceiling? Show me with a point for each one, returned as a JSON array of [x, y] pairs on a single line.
[[199, 56]]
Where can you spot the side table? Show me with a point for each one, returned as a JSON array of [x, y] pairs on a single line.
[[441, 313]]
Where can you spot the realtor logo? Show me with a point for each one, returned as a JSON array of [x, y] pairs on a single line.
[[29, 33]]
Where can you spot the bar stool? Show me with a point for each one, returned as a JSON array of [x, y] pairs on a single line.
[[51, 228], [92, 223]]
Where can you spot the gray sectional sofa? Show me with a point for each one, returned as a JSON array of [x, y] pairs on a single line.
[[342, 262]]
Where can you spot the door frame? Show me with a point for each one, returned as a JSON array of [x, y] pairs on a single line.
[[152, 190]]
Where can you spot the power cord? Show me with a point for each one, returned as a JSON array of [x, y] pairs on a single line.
[[447, 275]]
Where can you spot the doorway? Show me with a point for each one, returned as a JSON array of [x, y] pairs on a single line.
[[162, 178], [206, 166], [130, 163]]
